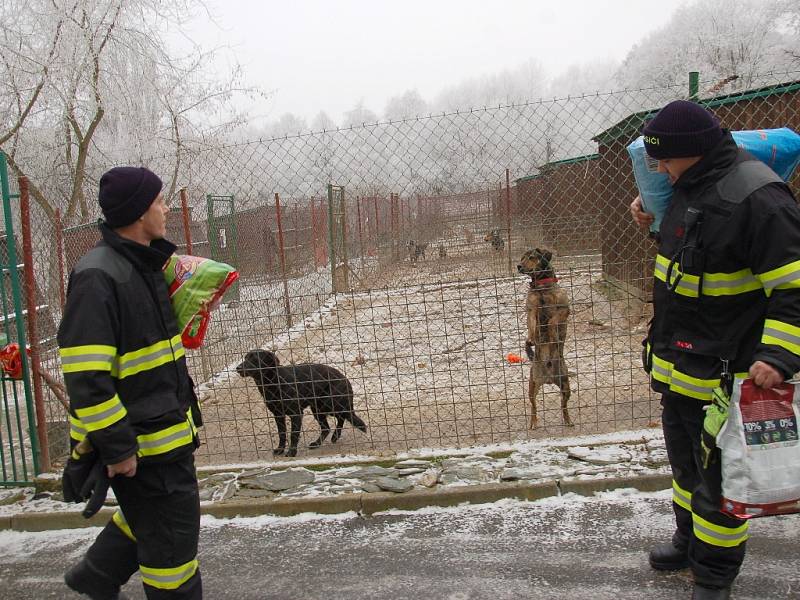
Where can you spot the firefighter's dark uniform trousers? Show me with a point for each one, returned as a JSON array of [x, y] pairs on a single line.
[[155, 532], [714, 541]]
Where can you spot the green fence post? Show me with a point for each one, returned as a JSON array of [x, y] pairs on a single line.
[[17, 299], [694, 85]]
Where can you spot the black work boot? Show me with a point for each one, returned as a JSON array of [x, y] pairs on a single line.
[[702, 592], [85, 579], [666, 557]]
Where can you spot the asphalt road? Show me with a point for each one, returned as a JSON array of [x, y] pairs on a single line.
[[568, 547]]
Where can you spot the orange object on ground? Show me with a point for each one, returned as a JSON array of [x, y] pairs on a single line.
[[513, 358]]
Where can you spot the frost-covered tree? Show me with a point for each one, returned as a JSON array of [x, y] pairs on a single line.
[[91, 83], [732, 40], [406, 106]]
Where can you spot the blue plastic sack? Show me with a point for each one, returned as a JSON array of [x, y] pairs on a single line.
[[779, 149], [655, 190]]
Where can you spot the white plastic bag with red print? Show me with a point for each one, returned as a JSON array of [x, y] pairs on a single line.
[[761, 451]]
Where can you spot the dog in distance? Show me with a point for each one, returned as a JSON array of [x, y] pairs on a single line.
[[493, 236]]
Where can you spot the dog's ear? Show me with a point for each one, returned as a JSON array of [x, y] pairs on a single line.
[[270, 359], [547, 256]]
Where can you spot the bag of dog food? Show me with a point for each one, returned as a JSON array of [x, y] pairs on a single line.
[[779, 149], [196, 286], [760, 451]]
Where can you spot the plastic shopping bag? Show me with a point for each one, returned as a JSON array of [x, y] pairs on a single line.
[[196, 285], [760, 451], [779, 149]]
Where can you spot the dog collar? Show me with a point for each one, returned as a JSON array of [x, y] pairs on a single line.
[[538, 282]]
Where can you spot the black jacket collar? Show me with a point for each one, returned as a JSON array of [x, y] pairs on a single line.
[[143, 258]]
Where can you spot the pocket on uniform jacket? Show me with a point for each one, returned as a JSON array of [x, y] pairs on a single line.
[[690, 343], [155, 407]]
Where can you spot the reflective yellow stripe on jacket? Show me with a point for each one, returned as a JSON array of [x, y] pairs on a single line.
[[682, 383], [149, 357], [781, 334], [76, 429], [94, 357], [714, 284], [169, 578], [167, 439], [786, 277], [102, 415]]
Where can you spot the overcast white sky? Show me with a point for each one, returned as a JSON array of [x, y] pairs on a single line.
[[332, 54]]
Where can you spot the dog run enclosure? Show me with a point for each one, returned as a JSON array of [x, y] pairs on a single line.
[[371, 249]]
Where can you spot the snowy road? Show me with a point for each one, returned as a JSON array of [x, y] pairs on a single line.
[[563, 547]]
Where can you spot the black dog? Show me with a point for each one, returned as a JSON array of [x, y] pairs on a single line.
[[289, 390]]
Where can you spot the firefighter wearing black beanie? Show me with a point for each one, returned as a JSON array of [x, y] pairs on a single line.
[[725, 300], [132, 408], [126, 193], [681, 129]]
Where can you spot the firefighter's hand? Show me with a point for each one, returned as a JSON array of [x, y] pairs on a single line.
[[641, 218], [126, 468], [764, 375]]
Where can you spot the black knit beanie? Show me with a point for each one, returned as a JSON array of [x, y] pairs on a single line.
[[681, 129], [126, 193]]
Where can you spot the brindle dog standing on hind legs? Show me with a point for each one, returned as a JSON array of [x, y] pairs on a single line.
[[547, 307]]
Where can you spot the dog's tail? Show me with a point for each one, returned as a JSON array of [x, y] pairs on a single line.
[[357, 421]]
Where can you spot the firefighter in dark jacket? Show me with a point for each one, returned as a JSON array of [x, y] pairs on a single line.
[[131, 397], [726, 304]]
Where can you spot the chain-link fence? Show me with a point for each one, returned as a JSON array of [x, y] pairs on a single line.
[[390, 252]]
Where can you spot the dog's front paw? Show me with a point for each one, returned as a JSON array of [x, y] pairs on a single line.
[[277, 451], [529, 350], [291, 452]]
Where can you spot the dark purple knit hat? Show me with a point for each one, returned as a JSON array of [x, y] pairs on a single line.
[[126, 193], [681, 129]]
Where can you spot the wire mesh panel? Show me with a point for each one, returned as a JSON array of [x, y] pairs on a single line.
[[390, 252]]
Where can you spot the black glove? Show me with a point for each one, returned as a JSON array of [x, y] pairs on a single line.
[[85, 478], [76, 472], [95, 489]]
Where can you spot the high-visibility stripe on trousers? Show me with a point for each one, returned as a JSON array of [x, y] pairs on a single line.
[[714, 541]]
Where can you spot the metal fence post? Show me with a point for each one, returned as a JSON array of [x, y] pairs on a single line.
[[360, 231], [694, 85], [331, 246], [20, 326], [33, 336], [60, 257], [282, 254], [187, 230], [508, 217]]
